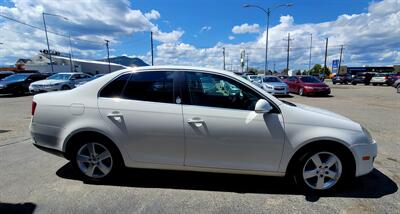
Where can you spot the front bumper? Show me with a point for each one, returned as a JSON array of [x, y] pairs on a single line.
[[317, 91], [361, 151], [39, 89], [277, 92]]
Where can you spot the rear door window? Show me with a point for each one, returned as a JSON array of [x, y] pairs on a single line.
[[153, 86]]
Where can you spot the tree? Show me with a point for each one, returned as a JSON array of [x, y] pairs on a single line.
[[298, 72], [253, 71], [326, 71], [316, 69], [285, 72]]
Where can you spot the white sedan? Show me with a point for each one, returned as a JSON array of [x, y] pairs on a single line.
[[171, 118], [58, 82]]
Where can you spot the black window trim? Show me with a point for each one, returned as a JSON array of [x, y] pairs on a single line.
[[183, 89]]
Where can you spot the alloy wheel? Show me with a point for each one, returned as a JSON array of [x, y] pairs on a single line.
[[322, 171], [94, 160]]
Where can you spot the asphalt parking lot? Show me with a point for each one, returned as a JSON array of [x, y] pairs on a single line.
[[35, 181]]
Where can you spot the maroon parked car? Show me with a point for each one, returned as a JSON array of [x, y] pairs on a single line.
[[307, 85]]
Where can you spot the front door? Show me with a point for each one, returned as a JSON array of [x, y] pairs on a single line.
[[223, 131], [147, 115]]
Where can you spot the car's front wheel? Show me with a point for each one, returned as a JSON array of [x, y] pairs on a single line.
[[398, 88], [95, 160], [301, 92], [321, 170]]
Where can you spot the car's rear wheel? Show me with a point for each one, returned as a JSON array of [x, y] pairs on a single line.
[[398, 88], [321, 170], [95, 160], [374, 84]]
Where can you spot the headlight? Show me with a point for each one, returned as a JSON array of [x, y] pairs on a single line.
[[308, 87], [368, 134], [2, 86]]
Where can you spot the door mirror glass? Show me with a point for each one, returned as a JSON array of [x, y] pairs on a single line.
[[262, 106]]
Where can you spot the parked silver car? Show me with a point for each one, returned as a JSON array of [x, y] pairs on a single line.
[[274, 85], [58, 82], [166, 118]]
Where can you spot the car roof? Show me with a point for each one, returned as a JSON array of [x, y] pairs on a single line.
[[70, 73], [183, 68]]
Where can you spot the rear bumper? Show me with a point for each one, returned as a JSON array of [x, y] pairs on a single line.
[[46, 136], [51, 151], [364, 166]]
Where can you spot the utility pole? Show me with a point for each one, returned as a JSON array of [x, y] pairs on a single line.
[[326, 52], [309, 60], [340, 59], [247, 63], [108, 56], [48, 46], [274, 67], [288, 50], [70, 53], [223, 54], [152, 53]]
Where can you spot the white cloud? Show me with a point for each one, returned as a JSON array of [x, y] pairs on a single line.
[[231, 37], [205, 29], [94, 20], [246, 28], [170, 37], [368, 38], [153, 14]]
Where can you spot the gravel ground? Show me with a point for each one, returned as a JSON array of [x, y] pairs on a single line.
[[34, 181]]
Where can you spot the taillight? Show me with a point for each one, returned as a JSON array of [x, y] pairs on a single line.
[[33, 107]]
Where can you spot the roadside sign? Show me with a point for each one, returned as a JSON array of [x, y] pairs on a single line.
[[335, 66]]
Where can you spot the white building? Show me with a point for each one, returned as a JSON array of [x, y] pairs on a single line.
[[41, 63]]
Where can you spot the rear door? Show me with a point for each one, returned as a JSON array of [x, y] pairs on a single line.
[[146, 116]]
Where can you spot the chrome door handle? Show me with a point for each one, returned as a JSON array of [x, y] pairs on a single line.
[[196, 122], [114, 114]]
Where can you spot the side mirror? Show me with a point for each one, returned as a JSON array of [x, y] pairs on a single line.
[[262, 106]]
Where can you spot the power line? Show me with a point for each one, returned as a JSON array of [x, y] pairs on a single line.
[[52, 32]]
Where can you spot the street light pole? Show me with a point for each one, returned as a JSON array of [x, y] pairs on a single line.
[[108, 56], [47, 38], [268, 13], [48, 46]]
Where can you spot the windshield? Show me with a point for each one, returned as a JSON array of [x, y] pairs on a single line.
[[271, 79], [60, 77], [255, 78], [380, 75], [309, 79], [17, 77]]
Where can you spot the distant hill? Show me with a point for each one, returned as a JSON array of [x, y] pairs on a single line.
[[127, 61]]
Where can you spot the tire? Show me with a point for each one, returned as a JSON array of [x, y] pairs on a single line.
[[315, 173], [301, 92], [334, 83], [374, 84], [65, 87], [354, 83], [98, 166], [398, 88]]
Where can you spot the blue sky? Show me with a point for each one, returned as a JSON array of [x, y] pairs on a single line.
[[194, 32]]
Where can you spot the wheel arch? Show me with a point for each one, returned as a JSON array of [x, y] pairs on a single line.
[[321, 144], [80, 134]]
